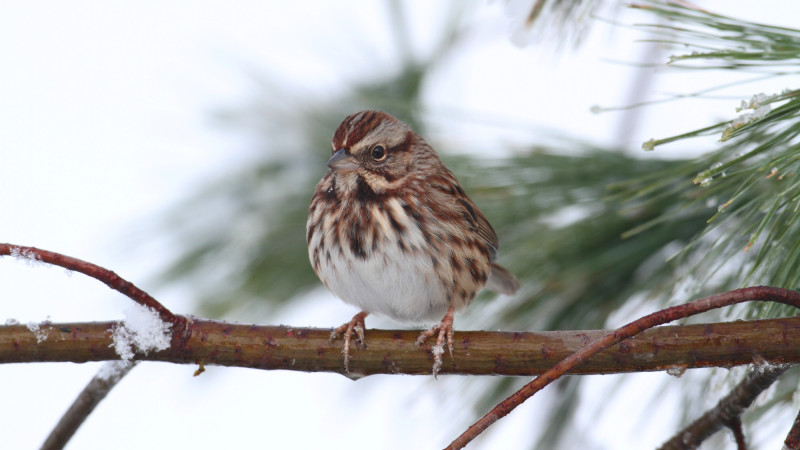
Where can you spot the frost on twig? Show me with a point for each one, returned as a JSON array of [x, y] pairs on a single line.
[[142, 330], [759, 103], [36, 329], [26, 254], [113, 371]]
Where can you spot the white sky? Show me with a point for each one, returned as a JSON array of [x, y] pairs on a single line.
[[105, 120]]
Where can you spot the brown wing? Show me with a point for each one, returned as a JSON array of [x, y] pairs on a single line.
[[481, 225], [500, 279], [451, 198], [447, 192]]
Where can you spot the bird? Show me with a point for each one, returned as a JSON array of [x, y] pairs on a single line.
[[391, 231]]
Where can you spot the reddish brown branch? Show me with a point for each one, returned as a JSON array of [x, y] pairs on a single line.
[[394, 352], [182, 343], [792, 441], [97, 389], [106, 276], [735, 425], [728, 411], [757, 293], [85, 403]]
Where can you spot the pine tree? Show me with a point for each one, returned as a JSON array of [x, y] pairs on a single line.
[[646, 229]]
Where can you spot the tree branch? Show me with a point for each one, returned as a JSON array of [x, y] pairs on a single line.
[[393, 351], [86, 402], [756, 293], [108, 277], [728, 411], [106, 379], [581, 352], [792, 441]]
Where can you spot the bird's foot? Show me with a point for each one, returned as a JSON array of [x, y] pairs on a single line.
[[444, 331], [356, 325]]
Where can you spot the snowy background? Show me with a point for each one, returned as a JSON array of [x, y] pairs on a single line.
[[105, 121]]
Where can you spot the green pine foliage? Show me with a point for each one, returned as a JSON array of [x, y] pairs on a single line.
[[586, 229], [752, 178]]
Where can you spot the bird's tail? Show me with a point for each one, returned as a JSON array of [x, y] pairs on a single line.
[[502, 281]]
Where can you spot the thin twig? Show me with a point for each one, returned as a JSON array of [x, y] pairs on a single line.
[[728, 411], [104, 275], [97, 389], [792, 441], [757, 293], [738, 433]]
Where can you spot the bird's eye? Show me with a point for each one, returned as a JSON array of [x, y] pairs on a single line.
[[378, 153]]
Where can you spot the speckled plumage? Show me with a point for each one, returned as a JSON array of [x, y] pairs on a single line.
[[397, 235]]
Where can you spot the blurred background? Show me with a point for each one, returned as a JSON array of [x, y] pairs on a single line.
[[178, 144]]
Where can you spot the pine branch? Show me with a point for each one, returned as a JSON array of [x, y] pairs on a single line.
[[558, 22], [747, 188], [209, 343], [728, 411]]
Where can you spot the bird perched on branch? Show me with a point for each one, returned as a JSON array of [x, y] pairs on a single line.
[[391, 231]]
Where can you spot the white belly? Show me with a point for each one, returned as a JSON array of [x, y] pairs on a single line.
[[397, 285]]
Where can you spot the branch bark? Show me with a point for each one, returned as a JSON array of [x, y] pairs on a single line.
[[743, 295], [85, 403], [209, 342], [792, 441], [727, 412], [107, 277], [636, 346]]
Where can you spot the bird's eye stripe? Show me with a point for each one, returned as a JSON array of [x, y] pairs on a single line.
[[404, 145]]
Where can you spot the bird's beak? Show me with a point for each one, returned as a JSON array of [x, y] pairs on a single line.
[[341, 161]]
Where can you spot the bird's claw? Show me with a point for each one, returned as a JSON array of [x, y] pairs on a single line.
[[356, 324], [444, 332]]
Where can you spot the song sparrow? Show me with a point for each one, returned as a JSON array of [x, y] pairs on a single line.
[[391, 232]]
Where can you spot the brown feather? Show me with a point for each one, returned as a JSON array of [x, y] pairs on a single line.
[[391, 231]]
